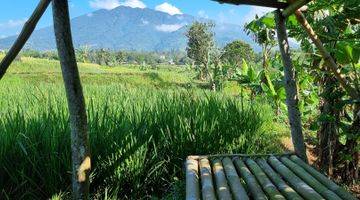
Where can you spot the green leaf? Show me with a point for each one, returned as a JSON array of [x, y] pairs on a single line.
[[244, 67], [343, 139]]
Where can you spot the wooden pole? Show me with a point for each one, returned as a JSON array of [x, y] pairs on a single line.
[[26, 32], [326, 55], [293, 7], [78, 121], [292, 96]]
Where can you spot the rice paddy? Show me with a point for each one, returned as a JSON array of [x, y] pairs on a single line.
[[142, 125]]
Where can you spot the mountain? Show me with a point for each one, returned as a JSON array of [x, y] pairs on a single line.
[[125, 28]]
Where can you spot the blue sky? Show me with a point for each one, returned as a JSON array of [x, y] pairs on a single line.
[[14, 13]]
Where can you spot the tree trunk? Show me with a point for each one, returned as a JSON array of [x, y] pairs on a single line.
[[328, 133], [292, 94], [78, 121]]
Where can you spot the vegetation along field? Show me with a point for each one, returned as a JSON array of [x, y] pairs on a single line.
[[147, 111], [142, 124]]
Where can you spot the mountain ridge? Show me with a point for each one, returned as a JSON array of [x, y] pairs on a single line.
[[132, 29]]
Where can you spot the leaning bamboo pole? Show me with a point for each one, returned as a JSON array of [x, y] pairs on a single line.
[[323, 179], [326, 55], [207, 186], [307, 178], [299, 185], [192, 179], [292, 93], [284, 188], [253, 186], [24, 35], [269, 188], [222, 188], [80, 148], [237, 188], [295, 5]]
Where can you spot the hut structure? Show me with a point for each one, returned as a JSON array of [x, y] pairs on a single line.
[[286, 176]]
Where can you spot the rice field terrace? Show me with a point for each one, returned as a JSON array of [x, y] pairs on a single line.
[[142, 125]]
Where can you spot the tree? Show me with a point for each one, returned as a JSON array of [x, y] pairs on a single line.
[[237, 51], [336, 24], [263, 31], [200, 44]]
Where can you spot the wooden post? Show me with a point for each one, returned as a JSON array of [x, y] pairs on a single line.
[[26, 32], [78, 121], [292, 94]]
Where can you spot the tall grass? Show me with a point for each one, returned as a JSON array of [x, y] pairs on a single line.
[[139, 136]]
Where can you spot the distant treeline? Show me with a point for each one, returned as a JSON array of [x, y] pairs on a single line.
[[113, 58]]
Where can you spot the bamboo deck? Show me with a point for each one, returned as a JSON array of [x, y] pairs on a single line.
[[239, 176]]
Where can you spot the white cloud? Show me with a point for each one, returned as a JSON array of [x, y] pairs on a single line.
[[104, 4], [168, 8], [203, 14], [13, 23], [90, 15], [168, 27], [111, 4], [133, 4], [256, 10]]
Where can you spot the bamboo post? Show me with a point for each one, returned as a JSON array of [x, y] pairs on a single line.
[[292, 96], [293, 7], [81, 163], [25, 34], [326, 55]]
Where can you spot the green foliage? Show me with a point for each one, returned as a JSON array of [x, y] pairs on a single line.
[[139, 134], [200, 45], [237, 51]]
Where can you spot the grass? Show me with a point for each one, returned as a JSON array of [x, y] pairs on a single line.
[[142, 125]]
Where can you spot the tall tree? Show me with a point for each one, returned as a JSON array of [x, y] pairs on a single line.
[[200, 44], [237, 51]]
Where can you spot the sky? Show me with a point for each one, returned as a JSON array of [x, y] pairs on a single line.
[[14, 13]]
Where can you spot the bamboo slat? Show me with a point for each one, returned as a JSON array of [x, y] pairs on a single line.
[[254, 187], [341, 192], [269, 188], [311, 181], [284, 188], [192, 180], [296, 183], [222, 187], [207, 186], [237, 189]]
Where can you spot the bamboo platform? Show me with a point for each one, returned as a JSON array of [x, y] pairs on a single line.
[[266, 176]]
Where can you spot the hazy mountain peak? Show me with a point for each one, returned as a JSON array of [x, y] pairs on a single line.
[[126, 28]]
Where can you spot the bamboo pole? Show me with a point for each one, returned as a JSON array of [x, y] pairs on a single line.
[[26, 32], [323, 179], [253, 186], [80, 149], [222, 187], [311, 181], [192, 179], [237, 189], [326, 55], [284, 188], [292, 93], [299, 185], [295, 5], [207, 186], [269, 188]]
